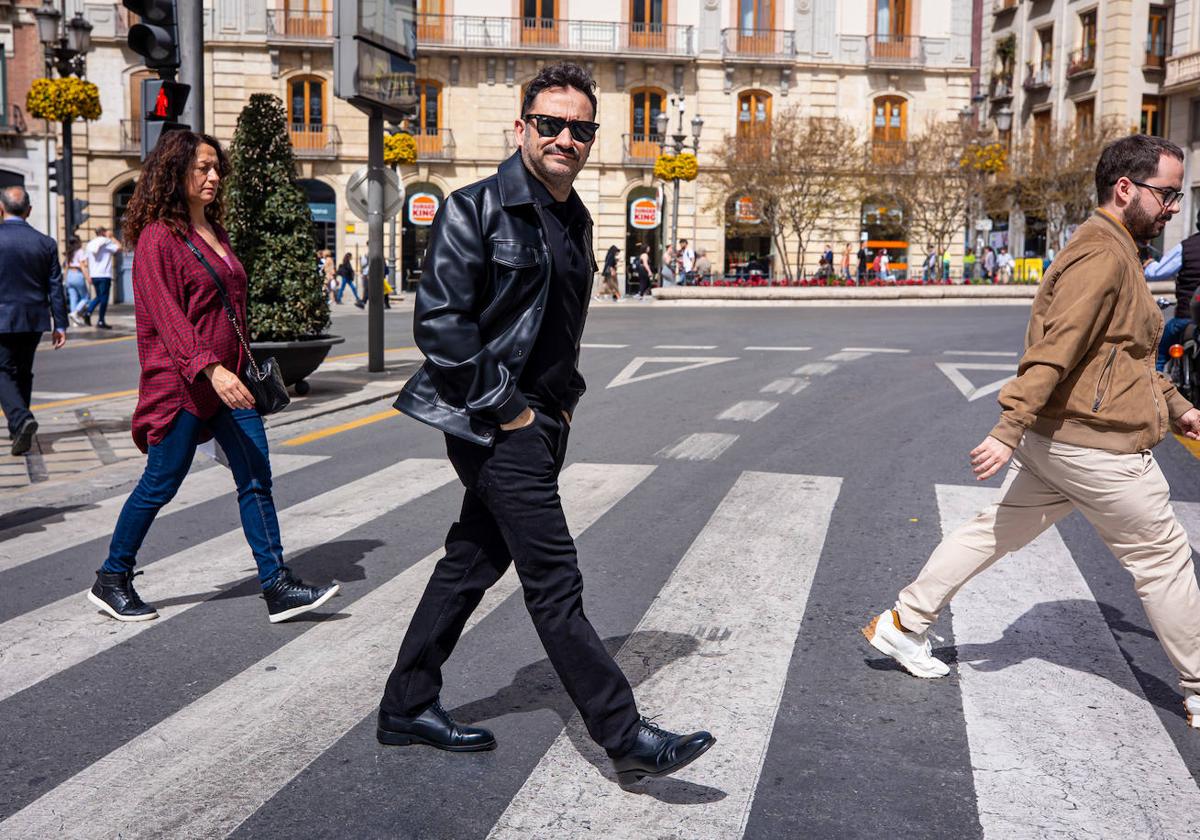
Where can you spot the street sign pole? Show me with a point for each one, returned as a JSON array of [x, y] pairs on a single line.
[[375, 241]]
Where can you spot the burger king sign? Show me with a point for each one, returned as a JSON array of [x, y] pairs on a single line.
[[422, 207]]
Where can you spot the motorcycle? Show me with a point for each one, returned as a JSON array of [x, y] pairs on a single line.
[[1183, 359]]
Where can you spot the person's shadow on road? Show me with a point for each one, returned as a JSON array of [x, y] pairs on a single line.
[[536, 686]]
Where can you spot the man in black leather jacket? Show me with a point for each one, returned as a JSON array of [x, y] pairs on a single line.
[[499, 316]]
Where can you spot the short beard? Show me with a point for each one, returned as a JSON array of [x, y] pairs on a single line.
[[1140, 223], [535, 163]]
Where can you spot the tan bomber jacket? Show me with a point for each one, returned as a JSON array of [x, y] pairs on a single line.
[[1087, 377]]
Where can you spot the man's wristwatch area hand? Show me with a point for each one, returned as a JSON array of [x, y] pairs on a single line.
[[525, 418]]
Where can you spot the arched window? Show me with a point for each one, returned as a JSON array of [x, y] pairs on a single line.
[[306, 111], [429, 114], [322, 207], [889, 129], [645, 104]]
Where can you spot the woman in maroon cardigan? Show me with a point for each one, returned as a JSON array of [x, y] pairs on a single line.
[[189, 389]]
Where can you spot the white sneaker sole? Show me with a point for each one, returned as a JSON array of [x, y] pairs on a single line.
[[91, 596], [295, 611], [882, 645]]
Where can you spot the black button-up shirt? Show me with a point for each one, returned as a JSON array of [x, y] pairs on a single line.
[[546, 379]]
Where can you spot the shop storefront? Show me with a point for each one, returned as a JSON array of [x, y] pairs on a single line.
[[883, 227], [421, 205], [643, 226], [322, 207], [747, 241]]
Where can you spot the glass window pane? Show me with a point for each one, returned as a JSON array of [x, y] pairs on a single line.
[[430, 117], [298, 102], [315, 103], [530, 8]]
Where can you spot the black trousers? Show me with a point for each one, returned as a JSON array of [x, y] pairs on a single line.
[[512, 513], [16, 376]]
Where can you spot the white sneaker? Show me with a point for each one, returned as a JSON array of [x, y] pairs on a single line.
[[1191, 705], [911, 650]]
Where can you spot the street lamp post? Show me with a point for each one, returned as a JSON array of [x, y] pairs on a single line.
[[65, 49], [677, 145]]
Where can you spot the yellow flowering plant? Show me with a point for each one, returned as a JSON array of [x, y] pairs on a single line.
[[399, 149], [63, 100], [991, 158], [683, 166]]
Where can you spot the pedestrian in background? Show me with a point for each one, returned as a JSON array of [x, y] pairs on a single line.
[[191, 352], [608, 274], [1004, 265], [945, 275], [703, 267], [346, 275], [862, 263], [989, 264], [846, 262], [101, 252], [667, 273], [329, 274], [1078, 423], [687, 263], [31, 296], [644, 272], [929, 268], [77, 280]]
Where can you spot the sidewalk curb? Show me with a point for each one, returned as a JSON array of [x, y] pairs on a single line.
[[968, 294]]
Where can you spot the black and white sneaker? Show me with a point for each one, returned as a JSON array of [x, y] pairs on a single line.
[[23, 439], [113, 593], [287, 597]]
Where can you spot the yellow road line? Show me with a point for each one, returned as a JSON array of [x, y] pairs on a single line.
[[363, 355], [341, 427], [1192, 446], [71, 345]]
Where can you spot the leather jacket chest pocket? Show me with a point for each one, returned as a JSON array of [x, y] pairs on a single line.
[[514, 267]]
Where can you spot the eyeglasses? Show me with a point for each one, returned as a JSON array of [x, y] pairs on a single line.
[[547, 126], [1169, 196]]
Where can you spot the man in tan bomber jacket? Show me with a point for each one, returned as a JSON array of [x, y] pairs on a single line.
[[1078, 423]]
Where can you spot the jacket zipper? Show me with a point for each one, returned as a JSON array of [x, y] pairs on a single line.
[[1101, 393]]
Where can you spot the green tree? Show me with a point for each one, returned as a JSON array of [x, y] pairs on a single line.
[[269, 225]]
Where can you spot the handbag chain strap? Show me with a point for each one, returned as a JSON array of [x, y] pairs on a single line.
[[228, 306]]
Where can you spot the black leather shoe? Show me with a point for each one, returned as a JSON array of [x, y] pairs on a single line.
[[87, 318], [434, 728], [113, 592], [23, 439], [287, 597], [657, 752]]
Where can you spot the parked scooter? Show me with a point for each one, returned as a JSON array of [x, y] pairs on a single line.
[[1183, 358]]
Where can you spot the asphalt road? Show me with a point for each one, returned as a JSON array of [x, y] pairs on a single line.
[[747, 488]]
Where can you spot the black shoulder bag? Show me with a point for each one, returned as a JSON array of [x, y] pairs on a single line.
[[264, 381]]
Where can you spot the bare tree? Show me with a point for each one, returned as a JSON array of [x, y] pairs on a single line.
[[796, 171]]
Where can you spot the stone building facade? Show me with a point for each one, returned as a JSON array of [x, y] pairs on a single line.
[[884, 65]]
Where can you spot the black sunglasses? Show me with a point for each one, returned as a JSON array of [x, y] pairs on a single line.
[[547, 126], [1169, 196]]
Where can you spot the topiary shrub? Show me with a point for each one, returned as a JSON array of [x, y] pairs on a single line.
[[269, 225]]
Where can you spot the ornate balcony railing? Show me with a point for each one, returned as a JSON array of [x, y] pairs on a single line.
[[434, 143], [310, 140], [1001, 87], [640, 149], [758, 44], [1156, 55], [131, 136], [503, 34], [296, 25], [1037, 78], [895, 50], [888, 152], [1081, 62], [1182, 70]]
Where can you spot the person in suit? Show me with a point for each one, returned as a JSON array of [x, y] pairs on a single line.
[[31, 290]]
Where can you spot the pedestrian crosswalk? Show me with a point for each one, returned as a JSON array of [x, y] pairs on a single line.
[[1061, 737]]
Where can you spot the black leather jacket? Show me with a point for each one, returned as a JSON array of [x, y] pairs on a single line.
[[479, 307]]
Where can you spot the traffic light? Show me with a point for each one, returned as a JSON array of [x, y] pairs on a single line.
[[79, 213], [164, 102], [54, 174], [156, 36]]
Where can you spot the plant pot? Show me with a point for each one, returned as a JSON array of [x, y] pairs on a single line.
[[296, 359]]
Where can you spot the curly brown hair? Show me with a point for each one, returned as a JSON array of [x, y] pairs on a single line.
[[161, 191]]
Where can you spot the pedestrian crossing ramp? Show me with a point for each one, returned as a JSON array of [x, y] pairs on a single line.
[[1061, 738]]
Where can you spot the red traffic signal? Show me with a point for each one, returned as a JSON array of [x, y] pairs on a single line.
[[164, 100]]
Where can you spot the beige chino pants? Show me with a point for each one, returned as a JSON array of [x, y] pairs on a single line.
[[1127, 500]]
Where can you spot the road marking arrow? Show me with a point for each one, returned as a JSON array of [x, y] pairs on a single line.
[[954, 372], [681, 363]]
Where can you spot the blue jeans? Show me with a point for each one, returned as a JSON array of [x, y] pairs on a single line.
[[102, 285], [76, 290], [1172, 332], [241, 434], [346, 281]]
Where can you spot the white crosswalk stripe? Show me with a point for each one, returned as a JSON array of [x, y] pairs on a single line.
[[186, 777], [1053, 712], [769, 528], [55, 637], [815, 369], [43, 537], [748, 410], [698, 446]]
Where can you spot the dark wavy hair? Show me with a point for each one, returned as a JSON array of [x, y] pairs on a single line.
[[563, 74], [161, 191]]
